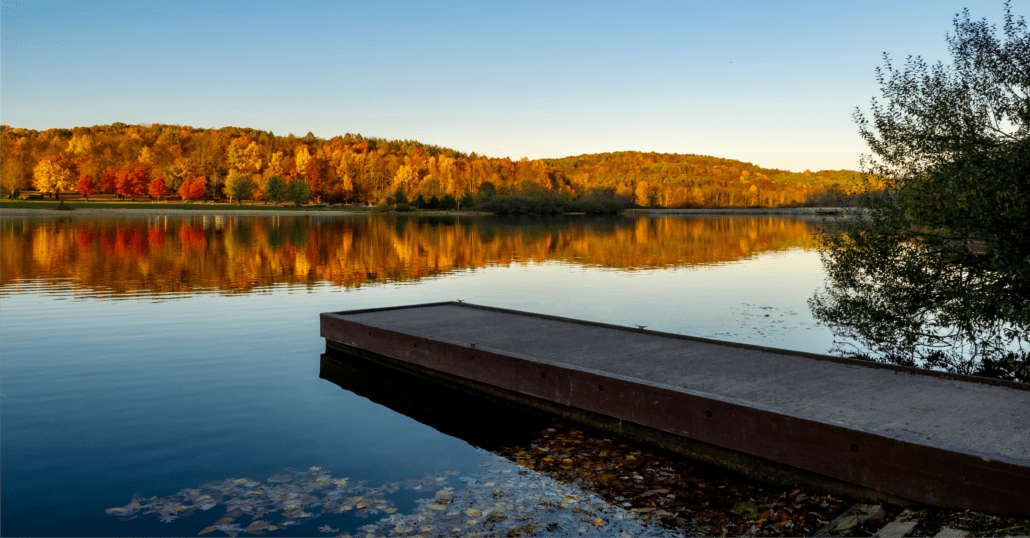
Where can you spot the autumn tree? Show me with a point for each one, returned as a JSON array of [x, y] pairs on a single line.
[[133, 180], [181, 169], [157, 188], [86, 186], [252, 158], [52, 175], [109, 179], [193, 189], [937, 271], [12, 175], [298, 192], [275, 189]]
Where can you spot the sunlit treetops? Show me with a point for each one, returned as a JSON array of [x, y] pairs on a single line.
[[356, 169]]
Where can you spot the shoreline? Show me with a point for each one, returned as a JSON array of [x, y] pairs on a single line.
[[23, 213]]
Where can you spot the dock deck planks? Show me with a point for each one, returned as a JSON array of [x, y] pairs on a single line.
[[942, 439]]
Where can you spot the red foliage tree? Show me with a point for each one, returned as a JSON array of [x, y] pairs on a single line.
[[193, 190], [133, 179], [86, 186], [157, 188], [316, 177], [109, 179]]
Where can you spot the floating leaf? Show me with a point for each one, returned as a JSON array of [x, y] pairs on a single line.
[[327, 528], [435, 507], [472, 512], [124, 511], [206, 530]]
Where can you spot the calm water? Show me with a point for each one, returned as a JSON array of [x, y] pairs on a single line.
[[144, 357]]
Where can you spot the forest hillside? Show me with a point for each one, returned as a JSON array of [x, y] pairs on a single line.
[[127, 159]]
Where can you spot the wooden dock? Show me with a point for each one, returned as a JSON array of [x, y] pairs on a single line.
[[888, 432]]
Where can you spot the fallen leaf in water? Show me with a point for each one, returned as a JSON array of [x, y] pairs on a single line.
[[206, 530], [435, 507], [327, 528], [232, 530], [124, 511]]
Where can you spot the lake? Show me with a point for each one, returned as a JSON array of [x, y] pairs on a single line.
[[172, 365]]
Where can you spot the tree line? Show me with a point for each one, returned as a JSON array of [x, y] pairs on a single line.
[[158, 161]]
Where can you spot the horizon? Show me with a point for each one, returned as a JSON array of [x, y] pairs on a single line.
[[775, 86]]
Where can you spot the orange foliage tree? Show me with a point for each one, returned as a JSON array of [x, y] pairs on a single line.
[[193, 189], [86, 186], [133, 179], [157, 188]]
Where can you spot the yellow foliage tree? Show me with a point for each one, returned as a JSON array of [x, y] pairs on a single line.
[[80, 144], [275, 164], [301, 160], [644, 195], [406, 178], [146, 155], [252, 158], [53, 175], [234, 157]]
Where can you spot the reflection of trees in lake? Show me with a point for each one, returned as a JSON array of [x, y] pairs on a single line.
[[161, 255]]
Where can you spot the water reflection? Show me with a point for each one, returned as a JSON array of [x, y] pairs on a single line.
[[173, 256]]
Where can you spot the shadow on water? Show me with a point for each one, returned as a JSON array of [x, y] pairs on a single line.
[[628, 483], [481, 423]]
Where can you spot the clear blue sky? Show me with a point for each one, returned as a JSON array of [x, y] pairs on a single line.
[[768, 82]]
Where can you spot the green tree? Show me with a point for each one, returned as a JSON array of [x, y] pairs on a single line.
[[936, 271], [399, 197], [275, 189], [238, 186], [298, 192]]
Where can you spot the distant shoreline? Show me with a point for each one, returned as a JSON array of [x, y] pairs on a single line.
[[748, 211], [22, 213]]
